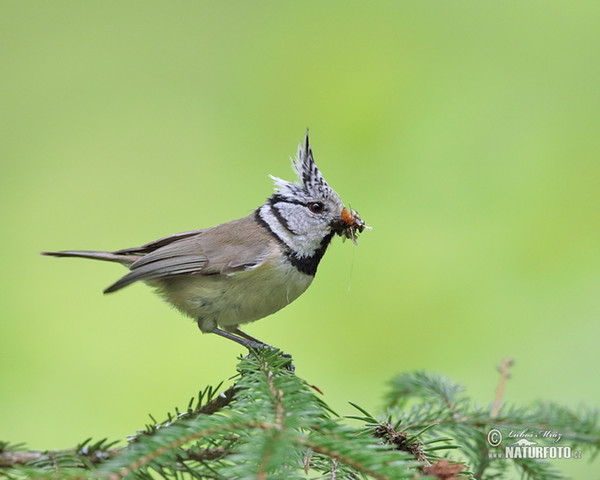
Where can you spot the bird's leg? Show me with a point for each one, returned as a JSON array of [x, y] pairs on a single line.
[[245, 342], [239, 333], [250, 342]]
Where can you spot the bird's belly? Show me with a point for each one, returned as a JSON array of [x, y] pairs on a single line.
[[224, 300]]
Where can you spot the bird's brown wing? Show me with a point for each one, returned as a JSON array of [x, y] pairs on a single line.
[[222, 250], [156, 244]]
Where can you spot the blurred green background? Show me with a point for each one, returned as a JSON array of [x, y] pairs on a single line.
[[465, 133]]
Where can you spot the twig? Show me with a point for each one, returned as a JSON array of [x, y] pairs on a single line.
[[205, 454], [400, 440], [279, 417], [209, 408], [10, 459], [504, 375], [217, 403]]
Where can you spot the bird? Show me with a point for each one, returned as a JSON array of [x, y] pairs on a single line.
[[246, 269]]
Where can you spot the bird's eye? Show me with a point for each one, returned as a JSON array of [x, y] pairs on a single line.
[[316, 207]]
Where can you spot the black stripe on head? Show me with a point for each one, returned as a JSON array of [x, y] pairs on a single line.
[[276, 198], [261, 221], [277, 214]]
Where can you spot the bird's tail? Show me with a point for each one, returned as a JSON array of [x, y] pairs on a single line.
[[106, 256]]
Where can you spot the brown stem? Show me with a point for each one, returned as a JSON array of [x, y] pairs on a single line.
[[504, 375]]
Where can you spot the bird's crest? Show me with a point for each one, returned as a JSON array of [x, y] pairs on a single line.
[[310, 180]]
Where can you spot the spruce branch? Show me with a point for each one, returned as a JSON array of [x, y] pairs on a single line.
[[272, 425], [401, 441], [443, 406]]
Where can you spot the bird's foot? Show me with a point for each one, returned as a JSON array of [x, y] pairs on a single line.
[[252, 344]]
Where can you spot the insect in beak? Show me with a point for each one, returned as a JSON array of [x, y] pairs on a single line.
[[349, 225]]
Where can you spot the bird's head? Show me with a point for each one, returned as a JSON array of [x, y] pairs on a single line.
[[306, 214]]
